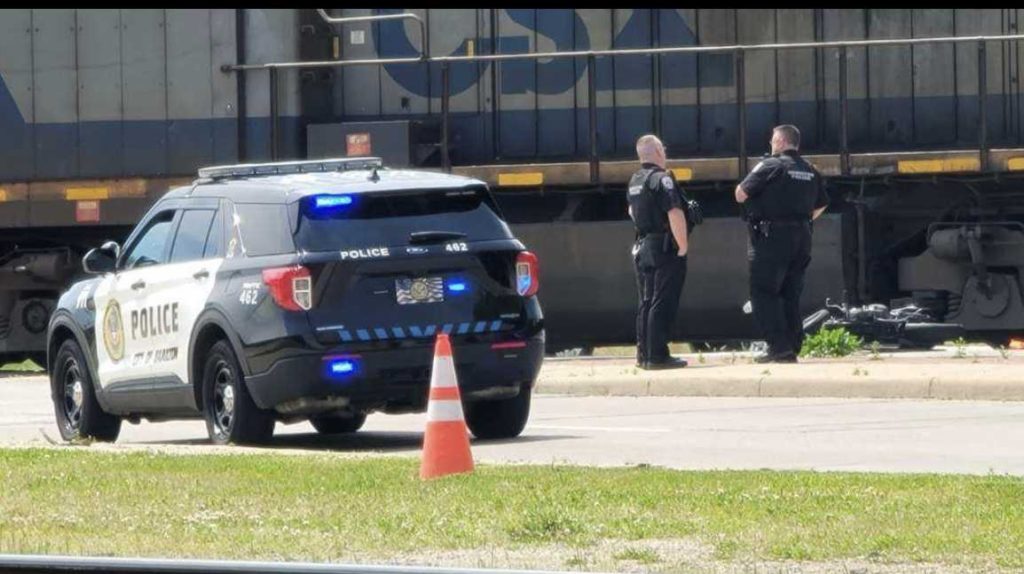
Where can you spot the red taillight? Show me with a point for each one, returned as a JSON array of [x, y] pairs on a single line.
[[527, 274], [291, 287]]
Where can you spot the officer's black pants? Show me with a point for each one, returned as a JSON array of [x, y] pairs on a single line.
[[659, 289], [777, 266]]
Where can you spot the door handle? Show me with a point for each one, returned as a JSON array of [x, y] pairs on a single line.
[[201, 274], [140, 284]]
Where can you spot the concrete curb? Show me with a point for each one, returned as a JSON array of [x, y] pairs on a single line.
[[781, 387], [935, 380]]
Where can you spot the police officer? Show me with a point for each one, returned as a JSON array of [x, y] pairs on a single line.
[[782, 195], [656, 206]]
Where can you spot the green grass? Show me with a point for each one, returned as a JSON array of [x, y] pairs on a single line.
[[321, 507], [641, 555], [24, 366]]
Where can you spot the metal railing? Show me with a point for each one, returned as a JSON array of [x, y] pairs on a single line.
[[738, 50]]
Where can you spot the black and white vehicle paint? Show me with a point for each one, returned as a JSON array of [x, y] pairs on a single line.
[[295, 291]]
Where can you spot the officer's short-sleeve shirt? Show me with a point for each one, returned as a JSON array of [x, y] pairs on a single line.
[[767, 173], [667, 192], [758, 178]]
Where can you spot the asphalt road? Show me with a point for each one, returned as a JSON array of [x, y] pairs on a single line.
[[677, 432]]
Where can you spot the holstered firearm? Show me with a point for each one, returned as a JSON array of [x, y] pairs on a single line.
[[760, 227]]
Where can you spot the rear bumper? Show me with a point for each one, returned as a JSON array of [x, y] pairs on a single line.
[[394, 380]]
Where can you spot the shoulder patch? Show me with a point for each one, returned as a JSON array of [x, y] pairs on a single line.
[[666, 182]]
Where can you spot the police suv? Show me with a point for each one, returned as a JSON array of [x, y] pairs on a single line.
[[300, 291]]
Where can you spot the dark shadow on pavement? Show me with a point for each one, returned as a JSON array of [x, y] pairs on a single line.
[[395, 441]]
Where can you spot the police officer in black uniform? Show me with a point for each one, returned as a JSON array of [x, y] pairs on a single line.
[[656, 205], [782, 196]]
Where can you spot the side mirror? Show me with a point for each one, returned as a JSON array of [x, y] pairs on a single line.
[[113, 248], [101, 259]]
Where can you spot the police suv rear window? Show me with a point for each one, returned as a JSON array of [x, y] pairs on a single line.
[[329, 222]]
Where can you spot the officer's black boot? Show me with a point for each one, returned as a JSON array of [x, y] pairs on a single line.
[[669, 363]]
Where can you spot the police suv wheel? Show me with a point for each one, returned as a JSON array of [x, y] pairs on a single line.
[[338, 425], [505, 418], [74, 398], [230, 413]]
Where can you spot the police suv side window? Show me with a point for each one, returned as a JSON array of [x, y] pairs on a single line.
[[215, 239], [151, 247], [191, 237], [264, 228]]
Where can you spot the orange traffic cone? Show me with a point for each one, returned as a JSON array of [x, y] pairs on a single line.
[[446, 440]]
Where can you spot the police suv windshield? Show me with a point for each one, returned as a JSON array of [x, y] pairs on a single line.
[[339, 221]]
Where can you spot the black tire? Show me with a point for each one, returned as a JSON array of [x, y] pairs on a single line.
[[338, 425], [79, 415], [504, 418], [231, 415]]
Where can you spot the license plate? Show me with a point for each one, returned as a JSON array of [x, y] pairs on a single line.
[[419, 290]]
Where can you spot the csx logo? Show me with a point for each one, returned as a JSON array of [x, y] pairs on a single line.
[[557, 30]]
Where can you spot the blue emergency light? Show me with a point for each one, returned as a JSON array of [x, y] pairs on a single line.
[[332, 201], [457, 286], [341, 368]]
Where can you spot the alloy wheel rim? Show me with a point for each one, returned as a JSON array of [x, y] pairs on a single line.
[[74, 395], [223, 399]]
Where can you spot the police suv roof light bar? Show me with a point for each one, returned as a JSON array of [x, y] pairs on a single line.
[[287, 167]]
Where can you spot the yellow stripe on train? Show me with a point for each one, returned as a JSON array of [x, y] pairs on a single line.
[[682, 173], [86, 193], [939, 165], [522, 178]]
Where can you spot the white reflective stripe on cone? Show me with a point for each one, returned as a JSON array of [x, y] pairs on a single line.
[[440, 411], [443, 374]]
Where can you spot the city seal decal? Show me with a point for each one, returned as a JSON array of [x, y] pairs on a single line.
[[113, 331]]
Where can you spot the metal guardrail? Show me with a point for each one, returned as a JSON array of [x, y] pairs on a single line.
[[34, 564], [739, 50]]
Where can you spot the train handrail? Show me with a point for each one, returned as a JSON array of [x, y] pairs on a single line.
[[619, 52], [378, 18], [739, 50]]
